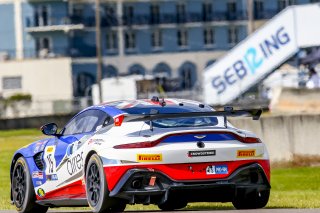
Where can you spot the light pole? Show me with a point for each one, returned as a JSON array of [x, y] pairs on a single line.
[[98, 48], [250, 16]]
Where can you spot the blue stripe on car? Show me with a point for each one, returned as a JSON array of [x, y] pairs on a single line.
[[192, 138]]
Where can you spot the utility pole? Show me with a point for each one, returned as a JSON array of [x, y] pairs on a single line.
[[98, 48], [250, 16]]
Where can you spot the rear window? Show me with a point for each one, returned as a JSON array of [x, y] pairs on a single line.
[[185, 122], [176, 122]]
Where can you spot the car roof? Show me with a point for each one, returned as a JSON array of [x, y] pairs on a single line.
[[167, 105]]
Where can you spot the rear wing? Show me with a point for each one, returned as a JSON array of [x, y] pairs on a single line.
[[228, 112]]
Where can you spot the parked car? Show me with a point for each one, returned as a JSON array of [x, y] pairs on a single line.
[[167, 152]]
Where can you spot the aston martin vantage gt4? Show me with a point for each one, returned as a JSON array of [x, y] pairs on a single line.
[[167, 152]]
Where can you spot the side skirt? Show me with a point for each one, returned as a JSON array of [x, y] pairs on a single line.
[[64, 202]]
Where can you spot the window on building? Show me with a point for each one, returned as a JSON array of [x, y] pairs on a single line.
[[156, 39], [181, 12], [77, 13], [110, 15], [233, 35], [232, 6], [130, 40], [231, 10], [208, 35], [188, 75], [43, 46], [155, 14], [78, 10], [182, 37], [284, 3], [11, 82], [258, 8], [82, 83], [207, 11], [111, 40], [42, 15], [128, 14]]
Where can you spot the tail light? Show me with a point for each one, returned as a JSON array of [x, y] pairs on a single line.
[[137, 145], [118, 120], [248, 139], [251, 140]]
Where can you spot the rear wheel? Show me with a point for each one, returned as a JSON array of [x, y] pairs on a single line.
[[22, 189], [97, 190], [252, 200]]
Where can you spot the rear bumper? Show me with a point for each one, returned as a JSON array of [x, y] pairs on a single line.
[[136, 186]]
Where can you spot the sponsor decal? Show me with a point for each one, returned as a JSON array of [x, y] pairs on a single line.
[[95, 141], [37, 174], [200, 136], [217, 170], [50, 160], [50, 149], [246, 153], [41, 192], [52, 177], [75, 164], [50, 163], [201, 153], [149, 157]]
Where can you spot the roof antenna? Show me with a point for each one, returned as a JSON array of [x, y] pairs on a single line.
[[162, 102]]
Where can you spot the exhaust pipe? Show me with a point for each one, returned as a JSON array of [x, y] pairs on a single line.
[[136, 183]]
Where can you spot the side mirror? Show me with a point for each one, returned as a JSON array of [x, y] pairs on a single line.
[[49, 129]]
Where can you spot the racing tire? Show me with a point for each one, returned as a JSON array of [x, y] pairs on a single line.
[[97, 190], [171, 205], [252, 200], [23, 194]]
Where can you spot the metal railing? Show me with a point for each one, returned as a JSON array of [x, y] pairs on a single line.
[[111, 20], [44, 107]]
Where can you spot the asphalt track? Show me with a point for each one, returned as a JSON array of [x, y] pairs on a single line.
[[220, 211]]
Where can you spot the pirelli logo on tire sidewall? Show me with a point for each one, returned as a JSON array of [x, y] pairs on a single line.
[[246, 153], [149, 157]]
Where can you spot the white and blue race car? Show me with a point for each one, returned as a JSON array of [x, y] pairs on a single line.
[[165, 152]]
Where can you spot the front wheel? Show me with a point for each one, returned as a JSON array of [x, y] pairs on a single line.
[[97, 189], [22, 189], [252, 200]]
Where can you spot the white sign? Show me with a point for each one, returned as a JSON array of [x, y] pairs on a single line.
[[252, 60]]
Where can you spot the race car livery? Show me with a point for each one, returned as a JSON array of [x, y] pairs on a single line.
[[166, 152]]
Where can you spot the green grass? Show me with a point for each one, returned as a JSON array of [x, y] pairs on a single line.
[[291, 187]]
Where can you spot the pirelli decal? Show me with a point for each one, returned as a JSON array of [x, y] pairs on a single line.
[[149, 157], [246, 153]]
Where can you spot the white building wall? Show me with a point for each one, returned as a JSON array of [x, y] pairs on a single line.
[[46, 81]]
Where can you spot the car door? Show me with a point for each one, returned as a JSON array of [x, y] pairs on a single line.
[[63, 156]]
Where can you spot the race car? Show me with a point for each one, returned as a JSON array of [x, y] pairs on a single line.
[[167, 152]]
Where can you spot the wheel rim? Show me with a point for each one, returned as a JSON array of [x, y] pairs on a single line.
[[19, 185], [93, 184]]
